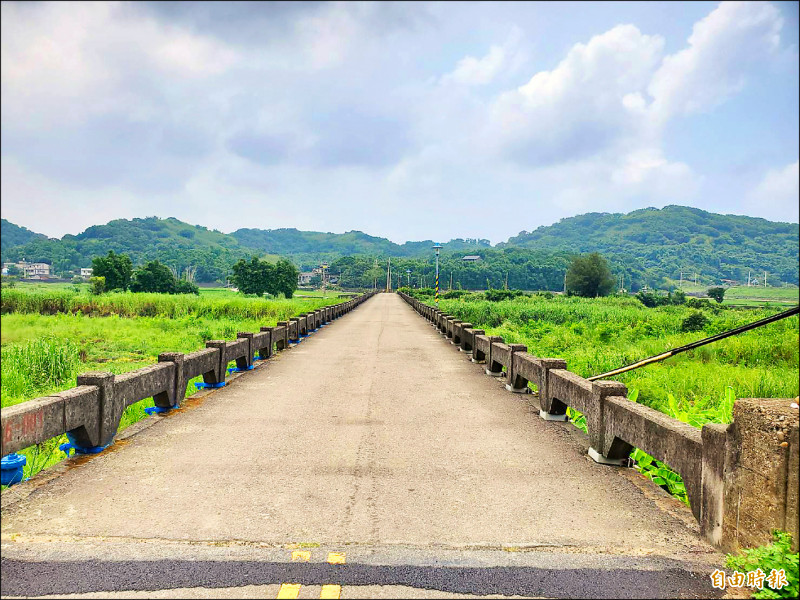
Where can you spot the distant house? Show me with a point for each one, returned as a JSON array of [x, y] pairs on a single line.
[[471, 258], [86, 273], [729, 282], [29, 270], [305, 278]]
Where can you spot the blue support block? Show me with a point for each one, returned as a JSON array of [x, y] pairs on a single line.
[[238, 370], [11, 469], [157, 409], [203, 384], [71, 445]]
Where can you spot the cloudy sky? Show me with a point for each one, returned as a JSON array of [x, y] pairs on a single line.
[[409, 121]]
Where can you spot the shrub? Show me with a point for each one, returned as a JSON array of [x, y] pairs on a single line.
[[97, 285], [777, 555], [499, 295], [717, 293], [694, 322]]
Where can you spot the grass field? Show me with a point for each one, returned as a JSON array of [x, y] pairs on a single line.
[[49, 336]]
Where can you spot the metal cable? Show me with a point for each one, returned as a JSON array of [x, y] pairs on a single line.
[[697, 344]]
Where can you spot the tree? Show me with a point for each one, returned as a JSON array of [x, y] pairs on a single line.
[[186, 287], [116, 268], [98, 285], [254, 277], [589, 276], [717, 293], [153, 277], [285, 278]]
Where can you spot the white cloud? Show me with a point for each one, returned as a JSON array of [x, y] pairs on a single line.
[[480, 71], [723, 47], [583, 106], [777, 196], [63, 62]]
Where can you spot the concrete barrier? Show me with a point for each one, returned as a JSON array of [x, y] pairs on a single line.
[[741, 479], [90, 413]]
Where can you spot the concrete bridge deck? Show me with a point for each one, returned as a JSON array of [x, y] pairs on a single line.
[[374, 438]]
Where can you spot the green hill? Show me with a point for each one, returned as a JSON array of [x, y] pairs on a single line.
[[649, 247], [13, 235], [662, 243]]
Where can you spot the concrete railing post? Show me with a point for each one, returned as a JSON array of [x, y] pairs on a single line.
[[761, 473], [468, 341], [493, 368], [266, 351], [245, 362], [294, 330], [173, 397], [217, 375], [458, 334], [595, 421], [109, 412], [550, 409], [514, 383], [280, 344]]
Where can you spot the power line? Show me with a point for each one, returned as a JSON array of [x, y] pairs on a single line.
[[697, 344]]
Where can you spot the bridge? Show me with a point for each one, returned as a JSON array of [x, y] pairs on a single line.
[[377, 459]]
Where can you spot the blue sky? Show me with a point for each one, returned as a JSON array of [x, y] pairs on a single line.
[[405, 120]]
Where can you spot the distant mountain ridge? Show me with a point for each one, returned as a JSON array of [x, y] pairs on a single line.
[[13, 235], [653, 244]]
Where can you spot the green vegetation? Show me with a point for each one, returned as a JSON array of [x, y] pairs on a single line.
[[645, 247], [775, 556], [13, 235], [116, 269], [261, 277], [157, 278], [589, 277], [659, 244], [717, 293]]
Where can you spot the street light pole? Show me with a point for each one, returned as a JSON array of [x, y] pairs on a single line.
[[437, 248], [408, 271]]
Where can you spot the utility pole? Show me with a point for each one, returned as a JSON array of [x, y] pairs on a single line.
[[506, 284], [375, 278], [437, 248], [748, 278], [680, 285], [389, 276], [765, 279], [451, 281], [565, 282], [408, 271]]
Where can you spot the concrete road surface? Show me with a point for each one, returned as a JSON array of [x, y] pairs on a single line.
[[375, 440]]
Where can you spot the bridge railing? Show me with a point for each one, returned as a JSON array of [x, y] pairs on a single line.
[[741, 479], [90, 413]]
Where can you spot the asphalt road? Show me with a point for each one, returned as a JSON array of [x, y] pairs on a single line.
[[374, 438]]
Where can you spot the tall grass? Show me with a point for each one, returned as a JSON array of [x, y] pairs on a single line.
[[30, 368], [153, 305]]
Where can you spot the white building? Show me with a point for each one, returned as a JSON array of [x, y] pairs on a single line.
[[86, 273], [38, 270]]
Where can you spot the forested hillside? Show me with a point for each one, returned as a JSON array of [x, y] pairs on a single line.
[[646, 247], [13, 235], [665, 242]]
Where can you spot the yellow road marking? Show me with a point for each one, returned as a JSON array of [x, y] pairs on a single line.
[[336, 558], [331, 591], [289, 590], [301, 556]]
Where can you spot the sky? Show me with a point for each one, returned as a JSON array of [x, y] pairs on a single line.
[[409, 121]]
